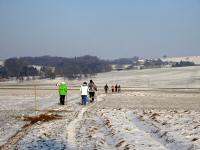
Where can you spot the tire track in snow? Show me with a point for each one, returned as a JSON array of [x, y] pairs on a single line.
[[126, 133], [71, 129]]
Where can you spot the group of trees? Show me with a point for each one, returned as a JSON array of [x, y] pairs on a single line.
[[15, 67], [3, 72], [72, 68], [78, 66], [125, 61], [50, 67], [183, 64]]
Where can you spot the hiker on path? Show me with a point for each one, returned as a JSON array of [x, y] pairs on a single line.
[[113, 88], [84, 92], [92, 89], [116, 87], [119, 88], [106, 88], [63, 89]]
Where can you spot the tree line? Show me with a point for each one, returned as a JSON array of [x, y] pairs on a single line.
[[50, 67], [183, 64]]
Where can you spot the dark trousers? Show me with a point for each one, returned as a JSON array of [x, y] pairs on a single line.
[[91, 96], [62, 99]]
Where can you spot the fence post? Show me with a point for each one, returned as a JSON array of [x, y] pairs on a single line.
[[35, 99], [66, 99]]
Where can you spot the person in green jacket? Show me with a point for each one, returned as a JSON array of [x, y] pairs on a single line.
[[63, 92]]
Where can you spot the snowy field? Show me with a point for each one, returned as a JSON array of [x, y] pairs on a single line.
[[157, 109]]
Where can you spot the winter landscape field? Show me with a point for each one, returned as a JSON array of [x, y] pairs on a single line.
[[156, 109]]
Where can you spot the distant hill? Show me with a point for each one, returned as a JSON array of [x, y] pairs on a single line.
[[195, 59]]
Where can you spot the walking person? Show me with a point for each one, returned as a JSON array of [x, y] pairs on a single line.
[[119, 88], [84, 92], [92, 89], [63, 89], [106, 88], [113, 88], [116, 87]]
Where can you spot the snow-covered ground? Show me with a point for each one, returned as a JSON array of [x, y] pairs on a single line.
[[119, 126], [182, 77], [15, 103], [195, 59], [147, 117]]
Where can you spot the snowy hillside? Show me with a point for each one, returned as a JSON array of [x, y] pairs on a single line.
[[195, 59]]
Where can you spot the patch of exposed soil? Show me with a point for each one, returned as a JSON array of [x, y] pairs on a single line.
[[31, 121]]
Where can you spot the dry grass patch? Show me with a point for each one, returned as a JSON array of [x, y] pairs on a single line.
[[42, 118]]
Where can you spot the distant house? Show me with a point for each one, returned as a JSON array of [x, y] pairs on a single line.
[[141, 61], [121, 67]]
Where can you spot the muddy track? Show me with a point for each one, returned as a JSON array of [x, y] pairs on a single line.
[[32, 120]]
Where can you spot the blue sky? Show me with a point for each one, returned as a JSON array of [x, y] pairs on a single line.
[[105, 28]]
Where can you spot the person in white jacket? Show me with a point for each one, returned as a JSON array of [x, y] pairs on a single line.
[[84, 92]]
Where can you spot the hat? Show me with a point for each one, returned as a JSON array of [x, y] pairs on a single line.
[[84, 83]]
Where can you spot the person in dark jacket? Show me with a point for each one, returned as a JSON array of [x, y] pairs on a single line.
[[116, 87], [106, 88], [119, 88], [92, 89]]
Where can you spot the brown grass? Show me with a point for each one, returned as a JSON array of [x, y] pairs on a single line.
[[194, 139], [21, 133], [119, 144], [154, 115], [42, 118], [53, 111]]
